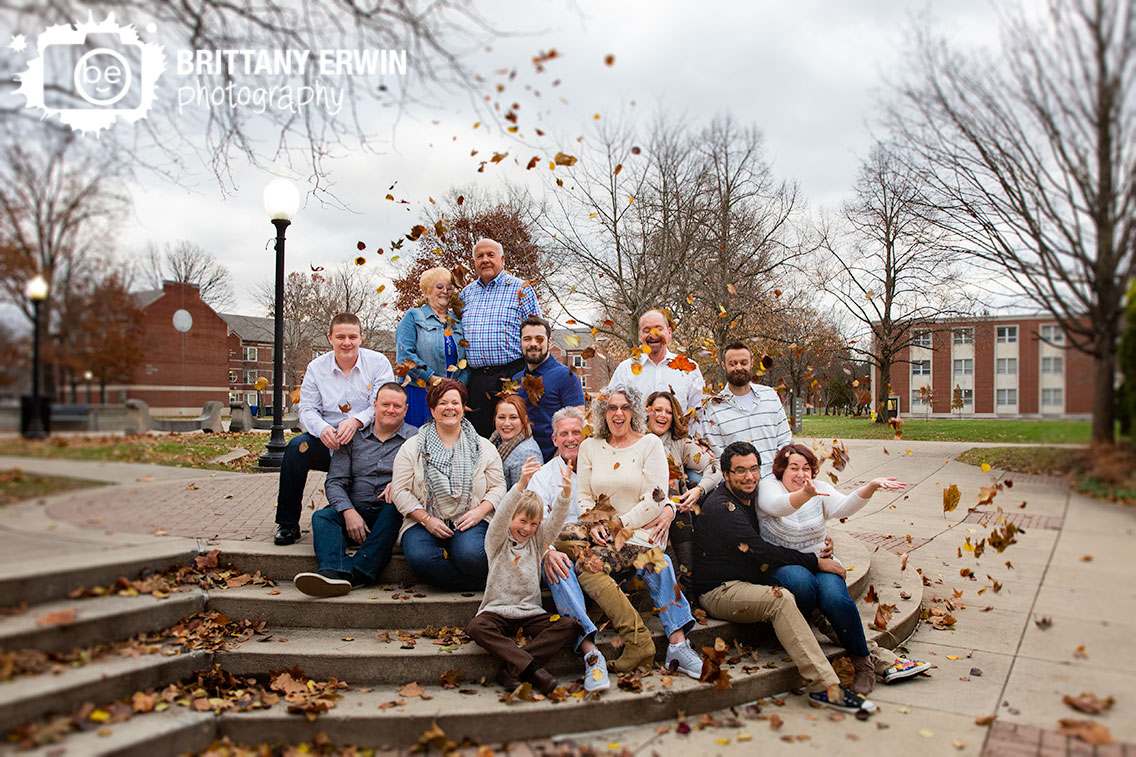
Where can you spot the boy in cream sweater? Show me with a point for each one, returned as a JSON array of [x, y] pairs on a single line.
[[516, 540]]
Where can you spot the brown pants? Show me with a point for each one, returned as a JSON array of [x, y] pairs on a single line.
[[494, 633], [742, 602]]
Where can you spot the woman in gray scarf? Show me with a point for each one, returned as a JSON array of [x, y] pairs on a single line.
[[447, 482]]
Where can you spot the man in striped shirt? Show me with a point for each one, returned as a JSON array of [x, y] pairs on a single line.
[[494, 306], [745, 411]]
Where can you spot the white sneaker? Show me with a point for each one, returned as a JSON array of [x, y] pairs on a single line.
[[595, 672], [688, 660], [315, 585]]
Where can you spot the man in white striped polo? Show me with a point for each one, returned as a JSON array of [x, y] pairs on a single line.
[[744, 411]]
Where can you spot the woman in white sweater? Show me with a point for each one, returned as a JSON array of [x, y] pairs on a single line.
[[792, 511]]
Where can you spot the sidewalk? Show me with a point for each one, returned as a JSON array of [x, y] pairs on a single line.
[[1069, 565]]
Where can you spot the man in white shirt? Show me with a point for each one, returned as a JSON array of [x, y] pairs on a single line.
[[744, 411], [658, 370], [336, 400]]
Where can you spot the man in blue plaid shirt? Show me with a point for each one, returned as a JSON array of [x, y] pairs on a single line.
[[495, 304]]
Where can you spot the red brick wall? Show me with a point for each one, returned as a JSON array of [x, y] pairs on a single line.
[[1029, 366], [1080, 375], [196, 358], [901, 381], [984, 367]]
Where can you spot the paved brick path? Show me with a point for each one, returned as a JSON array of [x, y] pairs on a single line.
[[222, 506]]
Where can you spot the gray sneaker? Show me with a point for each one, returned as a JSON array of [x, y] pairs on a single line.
[[315, 585], [688, 660]]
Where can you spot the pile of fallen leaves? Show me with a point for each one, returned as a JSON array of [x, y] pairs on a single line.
[[446, 638], [207, 631], [212, 690], [205, 573]]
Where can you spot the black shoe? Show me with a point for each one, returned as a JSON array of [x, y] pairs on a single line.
[[543, 681], [286, 535]]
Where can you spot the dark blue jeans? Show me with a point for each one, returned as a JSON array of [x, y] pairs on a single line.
[[294, 475], [465, 568], [829, 593], [329, 532]]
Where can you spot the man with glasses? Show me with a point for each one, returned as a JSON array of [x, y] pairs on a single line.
[[733, 567], [745, 411]]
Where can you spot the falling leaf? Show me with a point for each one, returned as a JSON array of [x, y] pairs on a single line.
[[609, 60], [260, 383], [572, 340], [883, 616], [951, 498], [532, 162], [534, 387], [682, 363], [563, 159], [360, 260]]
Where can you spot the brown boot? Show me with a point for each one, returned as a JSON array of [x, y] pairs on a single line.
[[638, 647], [865, 679]]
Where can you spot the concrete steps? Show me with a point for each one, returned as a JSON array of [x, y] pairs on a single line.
[[315, 631]]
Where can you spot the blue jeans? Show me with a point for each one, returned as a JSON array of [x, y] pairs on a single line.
[[294, 475], [569, 599], [829, 593], [465, 569], [329, 532], [675, 610]]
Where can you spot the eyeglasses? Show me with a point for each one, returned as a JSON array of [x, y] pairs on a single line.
[[743, 471], [619, 408]]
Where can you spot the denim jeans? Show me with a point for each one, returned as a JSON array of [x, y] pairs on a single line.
[[829, 593], [466, 567], [329, 532], [569, 599], [675, 610], [294, 475]]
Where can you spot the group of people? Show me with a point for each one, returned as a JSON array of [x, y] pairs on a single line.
[[481, 463]]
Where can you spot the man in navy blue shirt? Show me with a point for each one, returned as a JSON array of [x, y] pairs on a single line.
[[560, 387]]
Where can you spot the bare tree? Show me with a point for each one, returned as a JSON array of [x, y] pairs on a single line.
[[185, 262], [434, 35], [1032, 158], [892, 271]]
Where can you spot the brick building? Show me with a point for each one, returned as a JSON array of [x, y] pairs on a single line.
[[1005, 366], [593, 372]]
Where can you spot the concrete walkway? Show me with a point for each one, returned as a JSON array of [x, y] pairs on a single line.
[[1070, 566]]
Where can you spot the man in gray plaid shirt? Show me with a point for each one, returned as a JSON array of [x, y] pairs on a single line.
[[359, 509]]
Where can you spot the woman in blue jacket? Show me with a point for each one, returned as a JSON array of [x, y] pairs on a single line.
[[431, 337]]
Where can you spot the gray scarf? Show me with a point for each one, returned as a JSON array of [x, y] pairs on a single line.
[[449, 472]]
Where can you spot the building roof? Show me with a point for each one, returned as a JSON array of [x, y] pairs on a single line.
[[251, 328], [147, 298]]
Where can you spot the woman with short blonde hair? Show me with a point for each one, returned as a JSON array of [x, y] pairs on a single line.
[[430, 337]]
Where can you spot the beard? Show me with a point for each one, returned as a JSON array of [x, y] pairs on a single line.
[[738, 378], [535, 357]]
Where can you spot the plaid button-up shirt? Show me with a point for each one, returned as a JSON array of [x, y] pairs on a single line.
[[492, 319]]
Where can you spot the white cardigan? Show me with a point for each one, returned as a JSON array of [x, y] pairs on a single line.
[[408, 480], [803, 528]]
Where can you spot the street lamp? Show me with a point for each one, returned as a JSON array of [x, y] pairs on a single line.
[[37, 292], [281, 201]]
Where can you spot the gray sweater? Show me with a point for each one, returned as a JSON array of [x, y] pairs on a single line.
[[512, 589]]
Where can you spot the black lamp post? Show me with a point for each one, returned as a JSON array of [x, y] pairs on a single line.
[[281, 200], [37, 293]]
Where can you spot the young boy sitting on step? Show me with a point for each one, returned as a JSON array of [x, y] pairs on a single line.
[[516, 540]]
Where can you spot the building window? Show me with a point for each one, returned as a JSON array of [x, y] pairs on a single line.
[[920, 367], [1006, 365], [1006, 334], [916, 398], [1052, 397], [234, 376], [1052, 333], [1052, 364], [234, 397], [921, 339], [968, 396], [1004, 397], [964, 367], [964, 336], [250, 377], [250, 398], [249, 354], [577, 361]]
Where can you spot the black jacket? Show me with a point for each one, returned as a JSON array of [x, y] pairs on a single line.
[[723, 526]]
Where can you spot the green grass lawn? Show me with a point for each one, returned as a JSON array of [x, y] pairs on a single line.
[[183, 450], [17, 485], [952, 430]]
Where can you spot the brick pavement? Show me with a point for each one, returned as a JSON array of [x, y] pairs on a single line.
[[216, 507]]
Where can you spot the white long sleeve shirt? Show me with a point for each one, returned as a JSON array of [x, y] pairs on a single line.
[[546, 483], [686, 385], [328, 395], [803, 528]]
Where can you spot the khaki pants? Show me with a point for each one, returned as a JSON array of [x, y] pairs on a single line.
[[741, 602]]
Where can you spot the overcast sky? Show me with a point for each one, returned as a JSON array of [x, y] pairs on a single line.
[[809, 74]]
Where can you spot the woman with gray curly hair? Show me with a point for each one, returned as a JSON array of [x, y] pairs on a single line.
[[623, 483]]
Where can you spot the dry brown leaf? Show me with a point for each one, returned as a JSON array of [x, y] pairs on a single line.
[[1088, 703], [1086, 730]]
